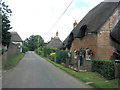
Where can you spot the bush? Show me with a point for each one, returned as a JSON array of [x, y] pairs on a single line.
[[52, 56], [61, 56], [24, 49], [105, 68], [39, 51], [46, 51]]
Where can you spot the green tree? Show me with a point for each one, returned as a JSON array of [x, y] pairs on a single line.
[[34, 42], [6, 36]]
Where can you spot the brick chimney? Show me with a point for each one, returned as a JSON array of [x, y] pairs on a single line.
[[57, 33], [51, 38], [75, 24]]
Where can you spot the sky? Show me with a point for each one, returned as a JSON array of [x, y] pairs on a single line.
[[37, 17]]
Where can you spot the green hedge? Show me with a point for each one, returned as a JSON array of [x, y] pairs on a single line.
[[24, 49], [105, 68], [46, 51], [39, 51], [61, 56], [52, 56]]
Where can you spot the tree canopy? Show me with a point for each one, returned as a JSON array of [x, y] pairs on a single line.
[[33, 42], [6, 12]]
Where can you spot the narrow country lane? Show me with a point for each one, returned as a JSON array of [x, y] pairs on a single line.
[[35, 72]]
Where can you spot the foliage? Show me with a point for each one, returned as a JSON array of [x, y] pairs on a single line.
[[52, 56], [61, 56], [105, 68], [24, 49], [39, 51], [6, 36], [4, 50], [33, 42], [47, 51]]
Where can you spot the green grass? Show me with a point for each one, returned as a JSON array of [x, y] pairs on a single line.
[[14, 61], [98, 80]]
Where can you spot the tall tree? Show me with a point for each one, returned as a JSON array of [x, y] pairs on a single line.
[[6, 36], [33, 42]]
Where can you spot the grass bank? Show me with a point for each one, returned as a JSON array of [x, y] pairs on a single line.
[[14, 61], [96, 79]]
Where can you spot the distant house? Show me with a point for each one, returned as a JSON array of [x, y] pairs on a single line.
[[91, 36], [15, 46], [55, 42]]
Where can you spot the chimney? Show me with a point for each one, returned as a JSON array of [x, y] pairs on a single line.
[[51, 38], [57, 33], [74, 24]]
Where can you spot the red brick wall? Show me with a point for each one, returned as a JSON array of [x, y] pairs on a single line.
[[89, 41], [105, 50]]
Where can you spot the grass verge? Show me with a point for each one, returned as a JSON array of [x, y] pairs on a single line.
[[97, 80], [14, 61]]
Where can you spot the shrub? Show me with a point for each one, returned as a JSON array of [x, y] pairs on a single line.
[[24, 49], [39, 51], [46, 51], [61, 56], [52, 56], [105, 68]]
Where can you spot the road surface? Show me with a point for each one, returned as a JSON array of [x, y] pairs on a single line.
[[35, 72]]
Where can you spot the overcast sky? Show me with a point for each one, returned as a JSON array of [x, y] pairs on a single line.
[[36, 17]]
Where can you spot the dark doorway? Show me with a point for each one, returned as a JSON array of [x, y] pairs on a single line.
[[81, 60]]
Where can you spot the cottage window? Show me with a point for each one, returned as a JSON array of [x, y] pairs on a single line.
[[88, 56]]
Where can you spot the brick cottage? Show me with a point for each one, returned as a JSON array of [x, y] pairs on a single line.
[[90, 38]]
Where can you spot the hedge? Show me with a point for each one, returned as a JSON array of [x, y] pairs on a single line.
[[105, 68], [61, 56], [24, 49], [46, 51], [52, 56], [39, 51]]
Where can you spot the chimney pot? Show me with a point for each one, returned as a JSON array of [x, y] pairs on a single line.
[[57, 33], [51, 38], [75, 24]]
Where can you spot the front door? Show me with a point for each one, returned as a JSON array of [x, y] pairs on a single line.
[[81, 60]]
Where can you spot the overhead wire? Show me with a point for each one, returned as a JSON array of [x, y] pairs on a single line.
[[60, 17]]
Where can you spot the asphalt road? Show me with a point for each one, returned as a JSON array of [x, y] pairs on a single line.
[[35, 72]]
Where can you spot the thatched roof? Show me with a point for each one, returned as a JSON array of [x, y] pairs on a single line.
[[55, 43], [97, 17], [94, 20], [15, 37]]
